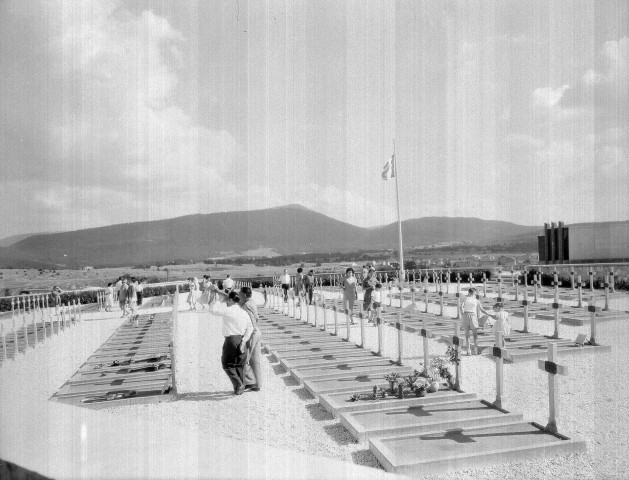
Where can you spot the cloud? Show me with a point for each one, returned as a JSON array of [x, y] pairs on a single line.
[[548, 97], [118, 133], [611, 80]]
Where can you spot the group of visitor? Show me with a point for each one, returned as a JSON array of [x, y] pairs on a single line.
[[471, 310], [129, 294]]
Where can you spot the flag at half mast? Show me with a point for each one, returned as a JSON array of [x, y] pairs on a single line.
[[388, 171]]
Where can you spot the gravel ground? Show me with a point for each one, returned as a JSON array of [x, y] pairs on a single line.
[[593, 403]]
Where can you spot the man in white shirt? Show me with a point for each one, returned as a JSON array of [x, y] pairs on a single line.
[[285, 281], [228, 284], [237, 329]]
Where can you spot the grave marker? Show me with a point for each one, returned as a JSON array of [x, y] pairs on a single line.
[[552, 368], [380, 336], [484, 285], [525, 304], [606, 285], [399, 327], [361, 319], [500, 354], [579, 292], [593, 309], [425, 334], [591, 275], [455, 341], [611, 279], [4, 344], [336, 317]]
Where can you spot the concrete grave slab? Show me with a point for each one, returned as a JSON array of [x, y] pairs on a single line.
[[351, 384], [444, 415], [369, 367], [337, 403], [456, 449]]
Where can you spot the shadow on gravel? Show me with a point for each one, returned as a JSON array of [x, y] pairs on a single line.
[[317, 412], [338, 433], [278, 369], [303, 394], [366, 458], [201, 396], [290, 381]]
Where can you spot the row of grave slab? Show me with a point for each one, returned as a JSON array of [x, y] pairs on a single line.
[[440, 432], [523, 344]]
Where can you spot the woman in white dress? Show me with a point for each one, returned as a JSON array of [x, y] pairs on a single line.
[[470, 312], [192, 296]]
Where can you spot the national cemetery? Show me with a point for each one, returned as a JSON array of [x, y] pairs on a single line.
[[87, 394]]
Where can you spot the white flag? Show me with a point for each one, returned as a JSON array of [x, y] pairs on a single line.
[[389, 169]]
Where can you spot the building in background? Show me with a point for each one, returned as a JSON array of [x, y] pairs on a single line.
[[584, 242]]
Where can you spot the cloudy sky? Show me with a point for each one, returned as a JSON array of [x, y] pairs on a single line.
[[114, 111]]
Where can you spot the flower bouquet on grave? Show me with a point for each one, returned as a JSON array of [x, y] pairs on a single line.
[[392, 378], [420, 389], [433, 383], [441, 369]]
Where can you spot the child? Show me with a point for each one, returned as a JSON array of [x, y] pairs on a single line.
[[109, 297], [502, 322], [376, 302]]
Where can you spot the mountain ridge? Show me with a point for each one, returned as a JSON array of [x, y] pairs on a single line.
[[288, 229]]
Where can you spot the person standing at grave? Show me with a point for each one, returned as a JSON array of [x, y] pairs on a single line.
[[376, 302], [132, 297], [309, 281], [122, 298], [299, 284], [285, 282], [204, 299], [237, 330], [56, 297], [253, 374], [228, 284], [471, 309], [192, 297], [118, 287], [139, 288], [502, 323], [350, 293], [368, 285], [109, 297]]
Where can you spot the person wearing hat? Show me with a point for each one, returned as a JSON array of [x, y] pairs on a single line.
[[470, 312]]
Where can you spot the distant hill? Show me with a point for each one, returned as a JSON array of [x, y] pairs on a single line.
[[12, 258], [285, 230], [13, 239]]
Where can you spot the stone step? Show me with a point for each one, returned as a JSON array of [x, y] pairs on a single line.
[[445, 415], [337, 403], [461, 448]]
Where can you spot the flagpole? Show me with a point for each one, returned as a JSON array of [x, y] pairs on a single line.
[[399, 219]]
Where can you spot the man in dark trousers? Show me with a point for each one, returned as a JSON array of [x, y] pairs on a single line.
[[237, 329], [253, 374]]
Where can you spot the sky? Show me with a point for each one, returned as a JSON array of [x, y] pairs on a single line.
[[115, 112]]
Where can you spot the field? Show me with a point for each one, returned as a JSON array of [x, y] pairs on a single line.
[[12, 281]]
